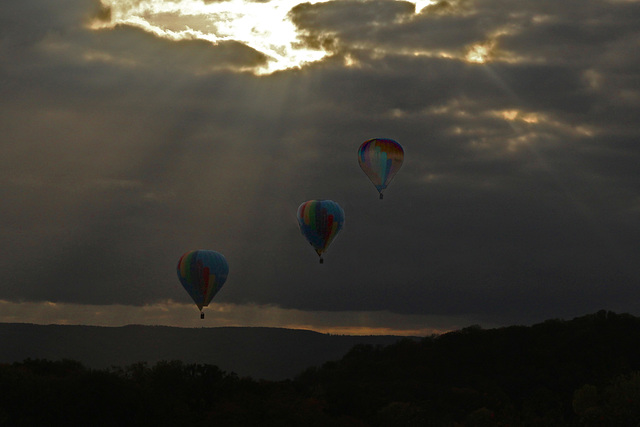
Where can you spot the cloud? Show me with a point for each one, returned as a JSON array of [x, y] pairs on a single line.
[[518, 199], [135, 47], [348, 15]]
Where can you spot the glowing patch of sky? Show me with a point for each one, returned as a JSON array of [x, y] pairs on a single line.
[[263, 26], [478, 53]]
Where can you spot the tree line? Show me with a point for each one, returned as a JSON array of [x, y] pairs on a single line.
[[582, 372]]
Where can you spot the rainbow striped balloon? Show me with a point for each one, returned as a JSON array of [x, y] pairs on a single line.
[[380, 159], [320, 221], [202, 273]]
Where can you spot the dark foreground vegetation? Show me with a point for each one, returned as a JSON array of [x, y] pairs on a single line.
[[583, 372]]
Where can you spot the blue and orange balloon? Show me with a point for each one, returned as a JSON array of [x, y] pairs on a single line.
[[320, 221], [202, 273], [380, 159]]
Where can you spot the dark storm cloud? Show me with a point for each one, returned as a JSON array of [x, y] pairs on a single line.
[[356, 25], [136, 47], [518, 199], [348, 14], [64, 32]]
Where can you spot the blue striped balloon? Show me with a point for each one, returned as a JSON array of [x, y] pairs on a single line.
[[202, 274], [320, 221]]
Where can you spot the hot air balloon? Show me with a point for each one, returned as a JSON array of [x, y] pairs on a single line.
[[380, 159], [320, 221], [202, 273]]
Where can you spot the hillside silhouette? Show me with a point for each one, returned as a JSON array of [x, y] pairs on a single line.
[[580, 372], [262, 353]]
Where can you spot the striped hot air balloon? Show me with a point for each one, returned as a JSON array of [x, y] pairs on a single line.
[[380, 159], [202, 273], [320, 221]]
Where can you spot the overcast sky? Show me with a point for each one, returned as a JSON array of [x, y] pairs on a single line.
[[133, 131]]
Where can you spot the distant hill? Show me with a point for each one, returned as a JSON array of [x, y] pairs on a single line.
[[261, 353]]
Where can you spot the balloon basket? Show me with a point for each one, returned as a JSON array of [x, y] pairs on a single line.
[[201, 315]]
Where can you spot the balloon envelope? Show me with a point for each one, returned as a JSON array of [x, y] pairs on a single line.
[[320, 221], [380, 159], [202, 273]]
